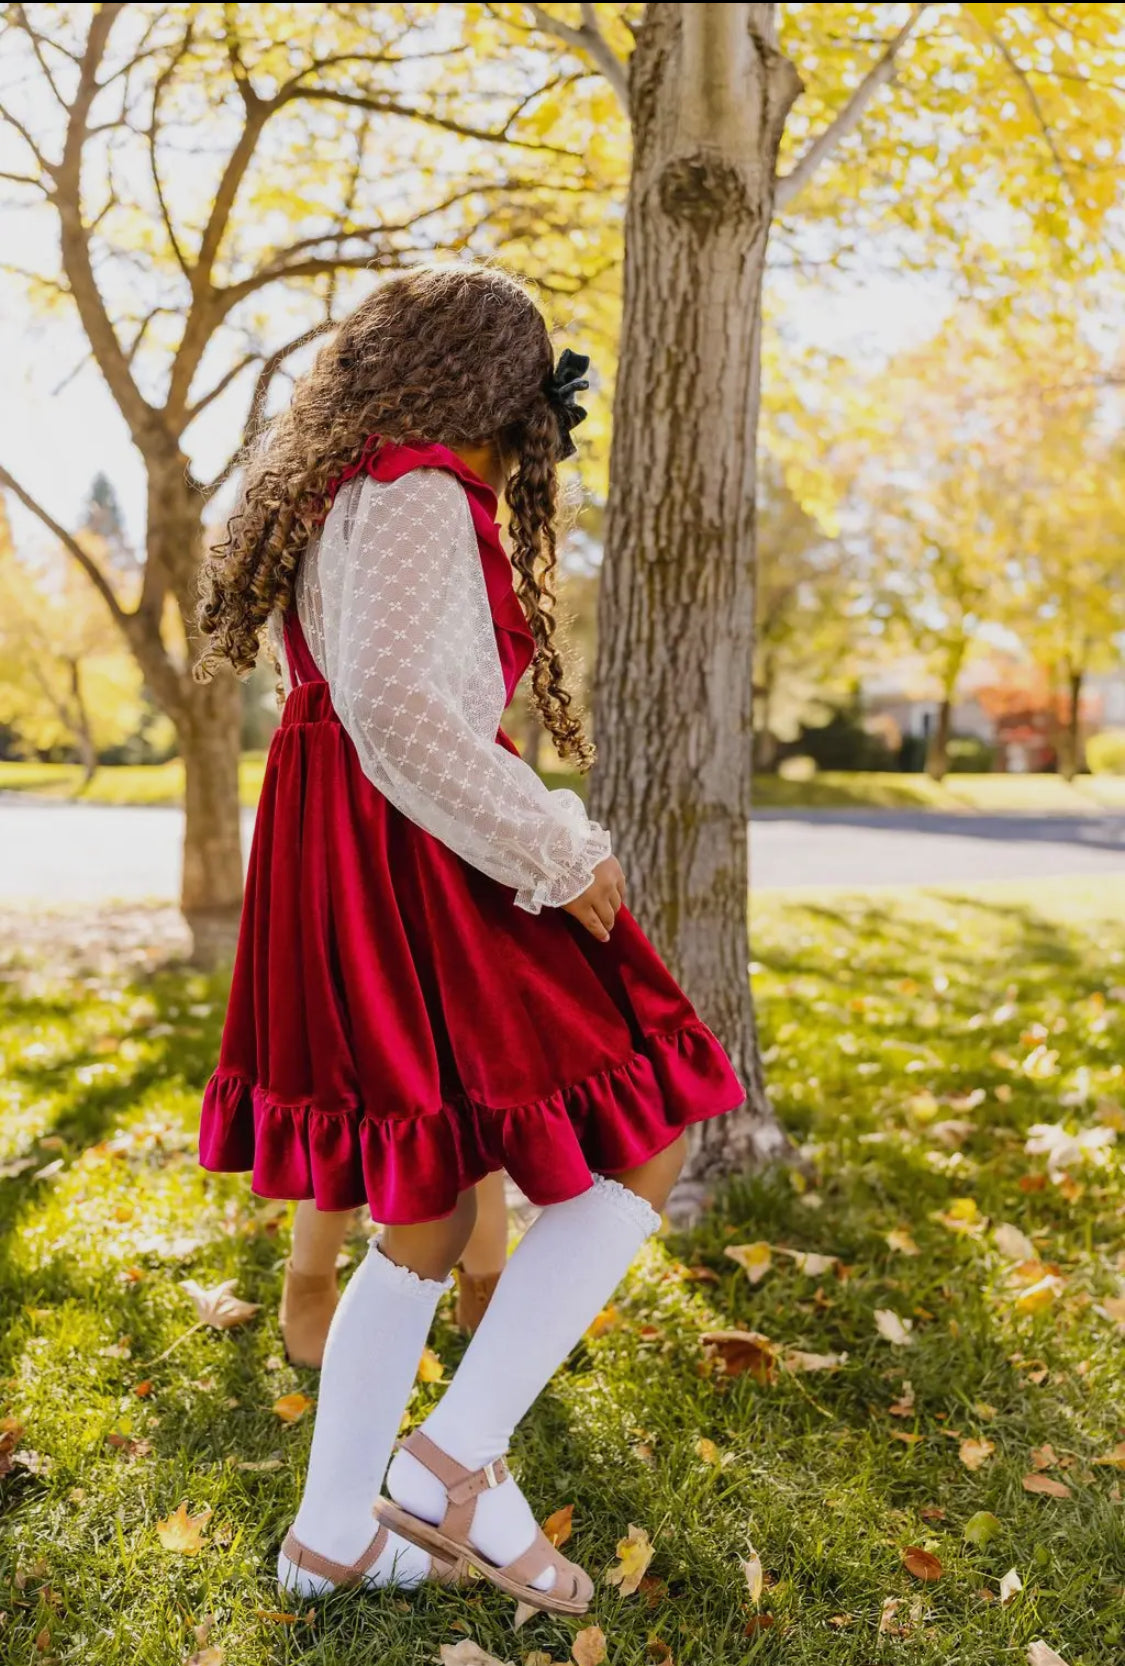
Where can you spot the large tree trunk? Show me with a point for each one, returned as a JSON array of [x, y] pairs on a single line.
[[207, 716], [709, 94]]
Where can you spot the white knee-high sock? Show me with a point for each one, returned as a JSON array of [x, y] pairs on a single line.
[[370, 1362], [561, 1275]]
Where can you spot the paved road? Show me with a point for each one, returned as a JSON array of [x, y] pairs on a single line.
[[70, 853]]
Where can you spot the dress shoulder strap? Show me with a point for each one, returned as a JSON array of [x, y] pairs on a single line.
[[302, 667]]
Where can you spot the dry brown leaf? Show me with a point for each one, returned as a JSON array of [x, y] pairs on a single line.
[[538, 1657], [902, 1242], [1039, 1295], [635, 1552], [1114, 1308], [1010, 1587], [211, 1656], [430, 1368], [975, 1453], [888, 1624], [1043, 1457], [524, 1612], [707, 1450], [588, 1648], [292, 1406], [1046, 1484], [923, 1564], [560, 1525], [219, 1307], [754, 1259], [467, 1653], [1042, 1654], [43, 1640], [904, 1405], [905, 1438], [743, 1351], [182, 1533], [277, 1616], [1116, 1457], [756, 1623]]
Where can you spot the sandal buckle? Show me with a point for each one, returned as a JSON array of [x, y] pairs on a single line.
[[490, 1474]]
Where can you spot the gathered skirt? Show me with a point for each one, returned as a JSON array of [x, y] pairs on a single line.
[[398, 1028]]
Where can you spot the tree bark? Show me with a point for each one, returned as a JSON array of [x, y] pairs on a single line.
[[207, 716], [709, 92], [83, 734], [1072, 760], [937, 752]]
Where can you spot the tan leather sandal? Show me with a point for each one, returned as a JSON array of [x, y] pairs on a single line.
[[474, 1292], [345, 1575], [308, 1301], [449, 1540]]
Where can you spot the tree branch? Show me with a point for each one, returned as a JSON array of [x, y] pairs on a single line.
[[270, 367], [590, 43], [70, 544], [847, 119], [381, 105]]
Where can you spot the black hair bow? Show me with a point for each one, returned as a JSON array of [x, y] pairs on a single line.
[[565, 383]]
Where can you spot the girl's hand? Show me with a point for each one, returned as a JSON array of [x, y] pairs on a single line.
[[596, 907]]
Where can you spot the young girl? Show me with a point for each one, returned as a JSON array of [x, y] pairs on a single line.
[[436, 976]]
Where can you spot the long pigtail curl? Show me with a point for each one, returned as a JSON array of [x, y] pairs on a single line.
[[532, 492]]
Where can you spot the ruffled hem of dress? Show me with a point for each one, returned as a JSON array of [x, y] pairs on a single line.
[[410, 1168]]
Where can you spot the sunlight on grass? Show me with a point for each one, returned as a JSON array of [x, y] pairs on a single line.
[[911, 1045]]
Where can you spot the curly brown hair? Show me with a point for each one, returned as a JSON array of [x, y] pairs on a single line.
[[458, 355]]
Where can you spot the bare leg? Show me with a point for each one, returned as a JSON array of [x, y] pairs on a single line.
[[318, 1237], [654, 1180], [487, 1248], [432, 1248]]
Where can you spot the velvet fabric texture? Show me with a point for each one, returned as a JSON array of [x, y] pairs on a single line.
[[397, 1028]]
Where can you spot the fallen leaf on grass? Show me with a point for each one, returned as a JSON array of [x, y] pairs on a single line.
[[560, 1525], [1116, 1458], [430, 1368], [808, 1262], [588, 1648], [467, 1653], [923, 1564], [892, 1329], [754, 1259], [1042, 1654], [219, 1307], [261, 1466], [707, 1450], [888, 1623], [1043, 1457], [904, 1405], [1046, 1484], [1114, 1308], [905, 1438], [132, 1449], [182, 1533], [1010, 1587], [982, 1528], [292, 1406], [211, 1656], [658, 1652], [740, 1351], [524, 1612], [796, 1360], [603, 1321], [975, 1453], [755, 1576], [635, 1552], [276, 1616], [756, 1623], [902, 1242], [1039, 1295], [538, 1657], [1013, 1244], [963, 1216]]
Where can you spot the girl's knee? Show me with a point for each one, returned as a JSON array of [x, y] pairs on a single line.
[[654, 1179], [432, 1248]]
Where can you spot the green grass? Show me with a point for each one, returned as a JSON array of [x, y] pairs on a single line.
[[831, 790], [883, 1023]]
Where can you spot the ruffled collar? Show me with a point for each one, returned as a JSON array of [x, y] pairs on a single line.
[[389, 460]]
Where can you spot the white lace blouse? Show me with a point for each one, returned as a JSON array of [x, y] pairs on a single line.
[[393, 604]]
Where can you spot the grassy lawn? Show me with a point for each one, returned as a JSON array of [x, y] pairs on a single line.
[[911, 1043], [832, 790]]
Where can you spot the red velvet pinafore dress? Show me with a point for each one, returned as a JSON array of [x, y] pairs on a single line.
[[397, 1027]]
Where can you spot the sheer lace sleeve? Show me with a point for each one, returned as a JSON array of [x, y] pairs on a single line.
[[393, 603]]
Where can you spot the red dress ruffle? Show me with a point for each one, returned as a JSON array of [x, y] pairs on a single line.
[[397, 1027]]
